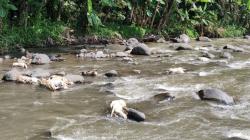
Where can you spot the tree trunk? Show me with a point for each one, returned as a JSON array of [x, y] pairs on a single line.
[[164, 12], [23, 10], [131, 15], [1, 25], [153, 18], [166, 17], [82, 22]]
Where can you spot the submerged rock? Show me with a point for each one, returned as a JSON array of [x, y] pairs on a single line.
[[97, 54], [204, 39], [226, 55], [233, 48], [39, 73], [77, 79], [184, 47], [163, 96], [150, 38], [90, 73], [203, 59], [178, 70], [112, 73], [216, 95], [135, 115], [141, 49], [208, 55], [11, 75], [40, 59], [121, 54], [56, 58]]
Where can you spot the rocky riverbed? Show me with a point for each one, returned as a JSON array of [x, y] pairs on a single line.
[[159, 79]]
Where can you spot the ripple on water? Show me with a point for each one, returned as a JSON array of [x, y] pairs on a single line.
[[239, 64], [240, 134]]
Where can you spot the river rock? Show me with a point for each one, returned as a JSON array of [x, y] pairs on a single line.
[[131, 43], [203, 39], [207, 55], [90, 73], [150, 38], [112, 73], [178, 70], [83, 51], [11, 75], [216, 95], [38, 72], [161, 40], [107, 88], [121, 54], [1, 60], [137, 71], [184, 47], [98, 54], [203, 59], [56, 57], [141, 49], [77, 79], [226, 55], [233, 48], [163, 96], [135, 115], [60, 73], [7, 57], [183, 38], [247, 37], [40, 59]]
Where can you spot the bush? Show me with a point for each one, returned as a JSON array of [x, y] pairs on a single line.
[[232, 31], [176, 30], [31, 36], [113, 30]]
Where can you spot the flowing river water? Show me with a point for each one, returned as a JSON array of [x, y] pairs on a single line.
[[80, 113]]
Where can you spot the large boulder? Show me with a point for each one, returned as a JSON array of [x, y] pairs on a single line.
[[11, 75], [135, 115], [131, 43], [216, 95], [40, 59], [141, 49], [77, 79], [183, 38]]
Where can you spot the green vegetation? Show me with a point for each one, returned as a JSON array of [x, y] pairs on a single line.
[[32, 22]]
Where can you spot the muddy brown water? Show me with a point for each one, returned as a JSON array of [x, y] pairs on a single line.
[[80, 113]]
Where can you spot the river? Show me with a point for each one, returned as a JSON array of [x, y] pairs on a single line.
[[80, 113]]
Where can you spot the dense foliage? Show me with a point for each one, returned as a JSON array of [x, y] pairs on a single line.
[[30, 22]]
